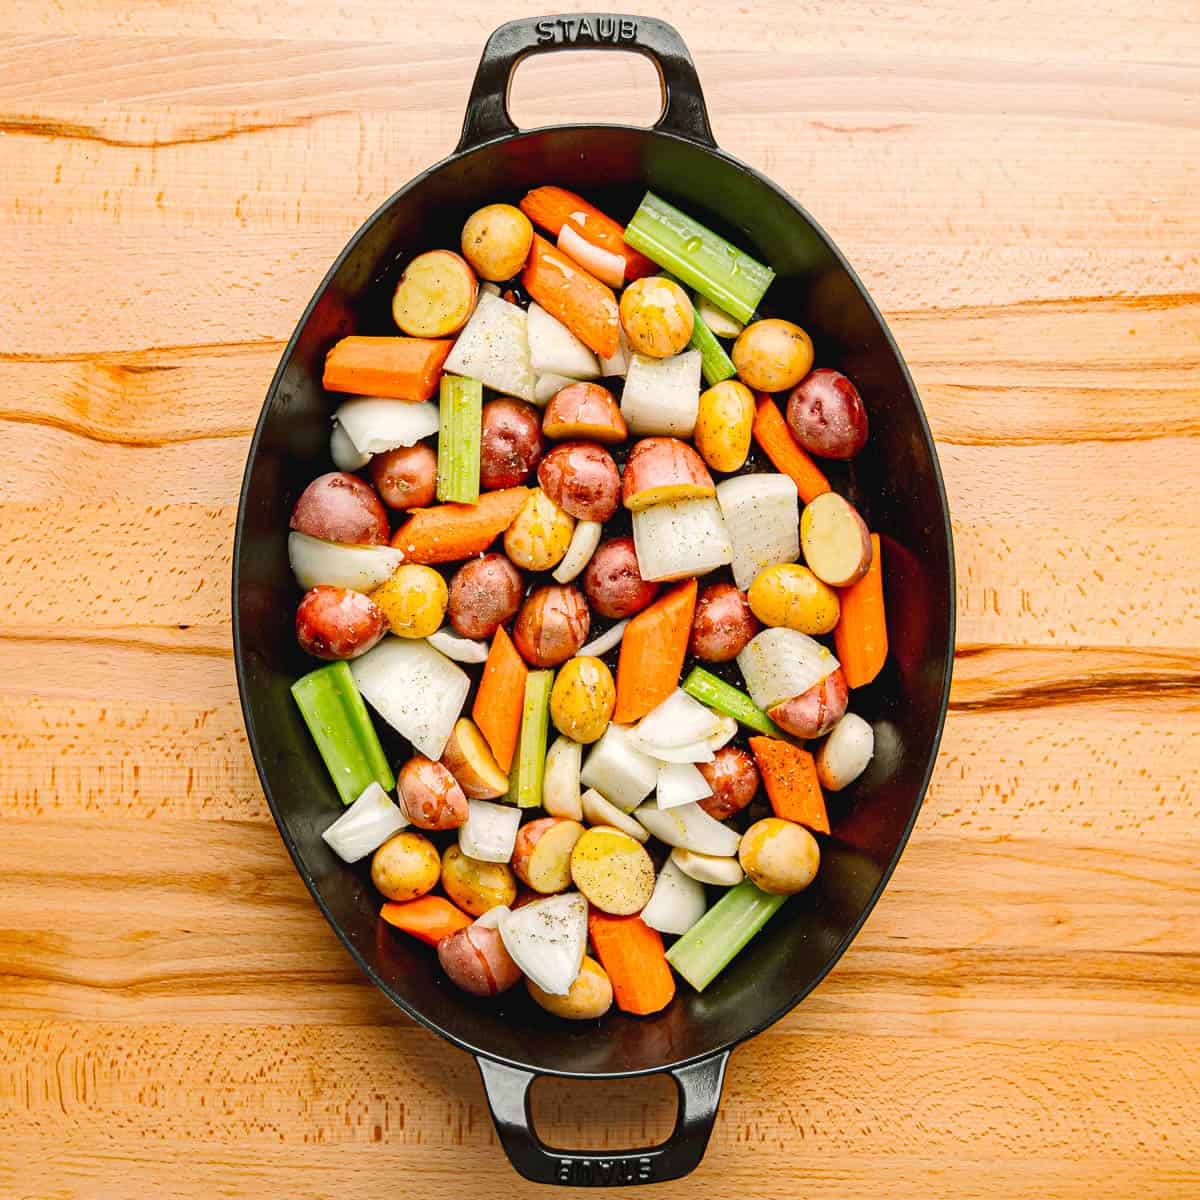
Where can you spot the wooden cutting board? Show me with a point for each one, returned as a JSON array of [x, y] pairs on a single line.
[[1017, 185]]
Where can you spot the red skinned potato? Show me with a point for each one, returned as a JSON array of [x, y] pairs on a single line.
[[431, 796], [484, 593], [826, 415], [733, 778], [335, 622], [476, 961], [723, 624], [613, 582], [339, 507], [551, 626], [405, 477], [835, 540], [815, 712], [663, 468], [584, 410], [542, 854], [510, 443], [582, 479]]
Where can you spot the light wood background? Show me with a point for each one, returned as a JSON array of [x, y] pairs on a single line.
[[1018, 184]]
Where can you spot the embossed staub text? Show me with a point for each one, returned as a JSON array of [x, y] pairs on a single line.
[[603, 1172], [584, 29]]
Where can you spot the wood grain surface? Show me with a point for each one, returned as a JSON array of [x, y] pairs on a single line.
[[1018, 185]]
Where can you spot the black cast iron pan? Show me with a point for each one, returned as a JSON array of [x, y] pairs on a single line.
[[895, 482]]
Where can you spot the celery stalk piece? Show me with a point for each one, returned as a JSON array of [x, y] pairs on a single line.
[[714, 362], [529, 766], [459, 439], [731, 279], [717, 938], [338, 720], [731, 701]]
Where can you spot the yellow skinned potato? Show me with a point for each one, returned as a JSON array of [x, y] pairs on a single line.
[[476, 887], [773, 355], [790, 595], [724, 424], [405, 866], [496, 241], [413, 600], [657, 316], [780, 856], [613, 871], [591, 994], [583, 698], [539, 536], [435, 296]]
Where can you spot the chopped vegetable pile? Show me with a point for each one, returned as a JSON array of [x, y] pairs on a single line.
[[610, 629]]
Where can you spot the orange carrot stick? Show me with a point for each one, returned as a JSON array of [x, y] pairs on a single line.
[[773, 435], [500, 698], [861, 636], [567, 292], [652, 653], [790, 777], [429, 918], [632, 954], [400, 367], [554, 207], [449, 532]]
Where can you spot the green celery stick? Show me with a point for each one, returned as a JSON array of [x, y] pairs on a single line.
[[731, 701], [715, 363], [338, 720], [529, 766], [731, 279], [717, 938], [461, 403]]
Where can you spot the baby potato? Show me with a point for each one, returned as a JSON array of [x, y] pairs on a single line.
[[613, 871], [835, 540], [339, 507], [790, 595], [614, 584], [413, 600], [584, 410], [430, 795], [435, 296], [405, 477], [582, 479], [551, 626], [724, 424], [657, 316], [733, 777], [722, 625], [826, 415], [405, 866], [591, 994], [496, 241], [815, 712], [780, 856], [510, 443], [539, 536], [476, 887], [583, 698], [542, 854], [477, 961], [335, 622], [484, 593], [772, 355]]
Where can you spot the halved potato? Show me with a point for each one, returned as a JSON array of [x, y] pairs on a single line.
[[591, 994], [587, 411], [470, 760], [613, 871], [435, 296], [660, 469], [476, 886], [542, 855], [835, 540]]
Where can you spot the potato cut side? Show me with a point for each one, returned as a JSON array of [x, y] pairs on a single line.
[[470, 760], [835, 540], [435, 296], [613, 871]]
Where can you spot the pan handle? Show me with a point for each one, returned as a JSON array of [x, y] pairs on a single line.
[[683, 112], [699, 1087]]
